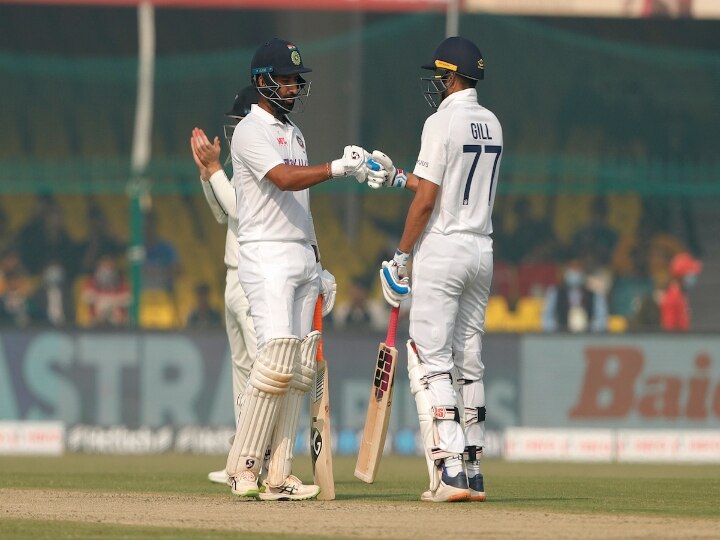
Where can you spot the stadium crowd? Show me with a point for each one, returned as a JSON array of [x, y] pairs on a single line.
[[594, 278]]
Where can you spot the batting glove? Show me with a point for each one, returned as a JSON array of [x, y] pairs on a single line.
[[394, 279], [382, 172], [352, 163], [328, 289]]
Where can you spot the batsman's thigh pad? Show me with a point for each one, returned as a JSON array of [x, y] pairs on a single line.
[[283, 439], [269, 382]]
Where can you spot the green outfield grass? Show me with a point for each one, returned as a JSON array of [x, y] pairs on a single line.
[[649, 490]]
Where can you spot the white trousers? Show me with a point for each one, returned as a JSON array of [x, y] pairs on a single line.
[[450, 288], [281, 282], [241, 334]]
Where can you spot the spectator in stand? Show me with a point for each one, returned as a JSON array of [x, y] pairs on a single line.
[[595, 242], [52, 303], [45, 239], [641, 261], [100, 240], [162, 265], [572, 306], [532, 240], [15, 288], [107, 295], [674, 305], [203, 315], [359, 310]]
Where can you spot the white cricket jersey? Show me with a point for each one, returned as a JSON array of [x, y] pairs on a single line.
[[266, 213], [460, 151], [220, 193]]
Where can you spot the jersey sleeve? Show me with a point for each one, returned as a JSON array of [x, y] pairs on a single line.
[[224, 192], [255, 149], [220, 196], [431, 160]]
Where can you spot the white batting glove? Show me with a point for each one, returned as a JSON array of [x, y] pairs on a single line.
[[382, 172], [352, 163], [394, 279], [328, 289]]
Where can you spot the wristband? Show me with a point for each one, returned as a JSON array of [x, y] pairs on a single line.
[[400, 179], [401, 258], [337, 168]]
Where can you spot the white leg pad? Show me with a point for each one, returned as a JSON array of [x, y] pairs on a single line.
[[428, 414], [416, 373], [283, 438], [473, 395], [269, 381]]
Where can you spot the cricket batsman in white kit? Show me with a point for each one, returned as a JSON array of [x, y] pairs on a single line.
[[219, 192], [448, 231], [278, 270]]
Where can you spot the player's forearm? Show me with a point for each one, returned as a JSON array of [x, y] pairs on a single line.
[[417, 219], [215, 207], [296, 178], [412, 182], [224, 192]]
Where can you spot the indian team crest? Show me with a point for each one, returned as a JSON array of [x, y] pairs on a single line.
[[295, 57]]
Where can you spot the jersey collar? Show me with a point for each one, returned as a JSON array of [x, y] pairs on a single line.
[[469, 95], [266, 116]]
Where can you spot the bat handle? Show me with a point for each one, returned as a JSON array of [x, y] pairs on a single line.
[[392, 327], [318, 325]]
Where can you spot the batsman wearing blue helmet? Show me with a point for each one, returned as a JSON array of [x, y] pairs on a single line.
[[448, 230]]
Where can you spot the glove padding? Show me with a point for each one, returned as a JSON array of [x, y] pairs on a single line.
[[382, 172], [395, 280], [328, 289], [352, 163]]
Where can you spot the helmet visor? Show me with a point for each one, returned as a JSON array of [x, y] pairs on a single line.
[[286, 97], [434, 87]]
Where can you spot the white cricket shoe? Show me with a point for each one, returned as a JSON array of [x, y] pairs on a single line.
[[245, 484], [477, 488], [219, 477], [292, 489], [450, 489]]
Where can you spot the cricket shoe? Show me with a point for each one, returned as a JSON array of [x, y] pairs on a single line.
[[245, 484], [219, 477], [477, 488], [292, 489], [450, 489]]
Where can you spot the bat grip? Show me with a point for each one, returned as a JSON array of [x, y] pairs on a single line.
[[317, 325], [392, 327]]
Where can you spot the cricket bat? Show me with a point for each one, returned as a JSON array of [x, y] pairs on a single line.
[[379, 405], [320, 435]]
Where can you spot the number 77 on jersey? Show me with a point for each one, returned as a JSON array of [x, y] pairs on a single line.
[[379, 406]]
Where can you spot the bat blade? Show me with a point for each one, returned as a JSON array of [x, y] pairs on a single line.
[[377, 419], [320, 428]]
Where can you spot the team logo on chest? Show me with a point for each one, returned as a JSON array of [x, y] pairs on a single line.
[[282, 141], [300, 141]]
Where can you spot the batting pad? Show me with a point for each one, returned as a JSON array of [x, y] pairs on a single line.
[[269, 381], [473, 396], [416, 374], [283, 438]]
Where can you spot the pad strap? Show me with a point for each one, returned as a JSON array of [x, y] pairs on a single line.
[[427, 379], [474, 415], [472, 453], [445, 412]]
